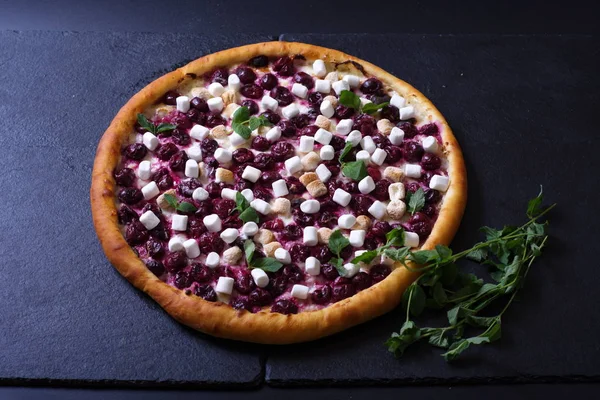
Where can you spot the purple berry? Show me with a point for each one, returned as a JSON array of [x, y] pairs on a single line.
[[282, 95], [304, 79], [130, 196], [430, 162], [284, 307], [136, 233], [166, 151], [208, 146], [170, 97], [220, 75], [251, 106], [124, 177], [370, 86], [206, 292], [321, 295], [175, 261], [246, 74], [362, 281], [199, 104], [186, 188], [156, 267], [260, 143], [284, 66], [282, 151], [251, 91], [135, 151], [271, 116], [379, 272], [177, 162], [268, 81], [413, 151], [259, 61], [126, 214]]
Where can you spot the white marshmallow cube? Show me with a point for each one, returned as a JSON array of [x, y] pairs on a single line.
[[341, 197], [378, 156], [307, 144], [269, 103], [354, 137], [200, 194], [212, 223], [212, 260], [248, 194], [179, 222], [150, 141], [293, 165], [398, 101], [319, 68], [273, 134], [396, 136], [340, 86], [144, 171], [195, 153], [176, 243], [357, 237], [227, 193], [290, 111], [216, 89], [351, 270], [407, 112], [352, 80], [323, 86], [344, 127], [183, 104], [300, 292], [191, 169], [215, 104], [430, 144], [222, 155], [310, 206], [233, 82], [309, 236], [191, 248], [411, 239], [346, 221], [439, 182], [149, 220], [280, 188], [236, 140], [299, 90], [363, 155], [366, 185], [260, 277], [283, 255], [150, 190], [377, 209], [412, 170], [261, 206], [250, 228], [312, 266], [251, 174], [327, 152], [322, 136], [224, 285], [368, 144], [229, 235], [199, 132], [327, 109], [323, 173]]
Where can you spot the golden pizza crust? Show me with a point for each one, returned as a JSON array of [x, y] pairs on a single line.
[[220, 319]]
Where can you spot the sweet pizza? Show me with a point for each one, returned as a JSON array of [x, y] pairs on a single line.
[[250, 192]]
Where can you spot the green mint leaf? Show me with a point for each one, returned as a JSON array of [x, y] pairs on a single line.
[[491, 233], [349, 99], [165, 127], [397, 254], [338, 263], [241, 203], [456, 349], [241, 130], [241, 115], [399, 342], [415, 201], [145, 123], [267, 264], [356, 170], [480, 322], [347, 149], [395, 237], [365, 257], [249, 248], [494, 331], [413, 299], [444, 253], [249, 215], [337, 242], [477, 255], [437, 337], [534, 207], [439, 294], [423, 256], [256, 122], [171, 200], [186, 207], [372, 108]]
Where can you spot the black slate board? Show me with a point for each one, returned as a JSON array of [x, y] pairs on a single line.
[[524, 109], [65, 313]]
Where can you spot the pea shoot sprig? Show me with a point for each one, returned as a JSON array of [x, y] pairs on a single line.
[[509, 252], [151, 127], [243, 124]]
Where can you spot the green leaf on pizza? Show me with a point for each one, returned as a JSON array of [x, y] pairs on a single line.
[[249, 215], [350, 100], [355, 170], [415, 201], [345, 152], [337, 242], [267, 264], [372, 108]]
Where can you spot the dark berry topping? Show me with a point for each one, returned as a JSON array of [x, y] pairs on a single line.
[[284, 66], [304, 79], [430, 162], [429, 129], [271, 116], [220, 75], [155, 248], [298, 251], [379, 272], [315, 98], [130, 196], [170, 97], [209, 242], [245, 74], [177, 162], [343, 112], [381, 190], [283, 96], [413, 151], [166, 151], [135, 151], [288, 129], [126, 214], [206, 292], [208, 146], [260, 297], [321, 295], [251, 106], [181, 138], [284, 307], [282, 151], [362, 281], [409, 130], [175, 261], [260, 143], [259, 61], [124, 177], [215, 119], [199, 104], [391, 113], [370, 86], [182, 280], [251, 91], [263, 161], [136, 233], [342, 291], [156, 267], [268, 81], [186, 188], [244, 284], [240, 303]]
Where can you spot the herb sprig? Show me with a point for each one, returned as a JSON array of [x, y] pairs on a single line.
[[267, 264], [509, 252], [351, 100], [415, 201], [183, 206], [243, 124], [355, 170], [151, 127], [391, 249], [247, 213], [337, 243]]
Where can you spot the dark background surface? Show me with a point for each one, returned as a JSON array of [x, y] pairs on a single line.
[[72, 317]]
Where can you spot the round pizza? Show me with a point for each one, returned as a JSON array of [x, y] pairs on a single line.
[[260, 193]]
